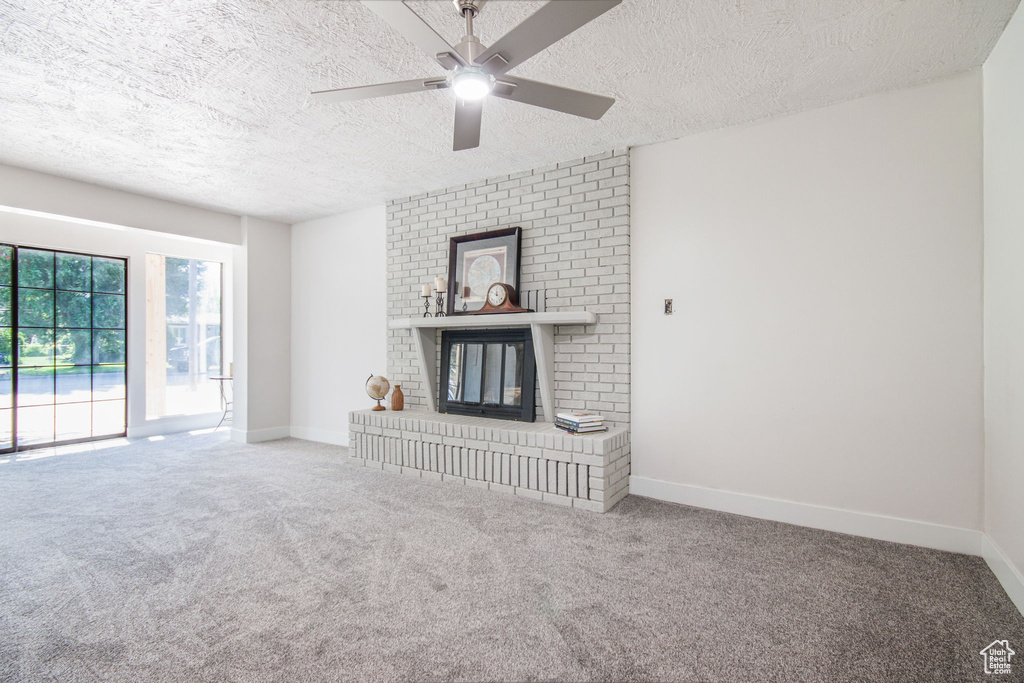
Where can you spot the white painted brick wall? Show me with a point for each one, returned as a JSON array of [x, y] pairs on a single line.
[[575, 221]]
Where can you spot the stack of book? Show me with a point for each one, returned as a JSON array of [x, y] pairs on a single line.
[[580, 423]]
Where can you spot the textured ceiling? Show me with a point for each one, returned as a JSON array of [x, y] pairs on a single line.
[[207, 101]]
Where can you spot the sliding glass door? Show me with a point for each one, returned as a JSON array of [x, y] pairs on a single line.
[[62, 347], [6, 348]]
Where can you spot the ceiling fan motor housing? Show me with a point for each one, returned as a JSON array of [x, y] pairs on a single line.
[[470, 48]]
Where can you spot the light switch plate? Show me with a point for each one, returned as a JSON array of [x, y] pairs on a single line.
[[668, 306]]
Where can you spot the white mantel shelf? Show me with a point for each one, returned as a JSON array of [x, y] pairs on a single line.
[[542, 325], [496, 320]]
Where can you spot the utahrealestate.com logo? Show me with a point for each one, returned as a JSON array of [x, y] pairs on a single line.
[[997, 657]]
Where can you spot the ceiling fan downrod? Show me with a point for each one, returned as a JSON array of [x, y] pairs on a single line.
[[470, 47]]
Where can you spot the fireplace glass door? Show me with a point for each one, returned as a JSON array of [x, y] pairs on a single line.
[[489, 373]]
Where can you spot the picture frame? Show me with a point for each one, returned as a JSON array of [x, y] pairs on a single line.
[[477, 261]]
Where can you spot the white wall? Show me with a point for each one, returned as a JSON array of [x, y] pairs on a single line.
[[826, 269], [262, 321], [51, 233], [1004, 304], [24, 189], [339, 319]]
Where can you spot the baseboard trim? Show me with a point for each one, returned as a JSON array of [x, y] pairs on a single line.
[[173, 425], [1008, 575], [258, 435], [321, 435], [881, 527]]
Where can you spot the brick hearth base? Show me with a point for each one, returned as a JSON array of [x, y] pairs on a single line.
[[534, 460]]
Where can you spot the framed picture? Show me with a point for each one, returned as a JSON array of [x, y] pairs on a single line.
[[475, 262]]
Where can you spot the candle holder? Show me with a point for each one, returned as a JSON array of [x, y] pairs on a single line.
[[439, 305], [426, 306]]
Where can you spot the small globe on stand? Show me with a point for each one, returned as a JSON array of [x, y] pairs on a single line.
[[377, 388]]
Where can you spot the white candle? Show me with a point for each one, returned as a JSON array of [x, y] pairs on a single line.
[[440, 285], [425, 290]]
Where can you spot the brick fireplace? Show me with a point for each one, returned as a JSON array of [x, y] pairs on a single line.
[[575, 248]]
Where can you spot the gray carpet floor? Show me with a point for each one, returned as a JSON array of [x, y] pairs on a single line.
[[197, 559]]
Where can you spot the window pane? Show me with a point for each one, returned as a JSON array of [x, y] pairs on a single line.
[[6, 384], [35, 346], [108, 346], [107, 418], [108, 382], [35, 425], [108, 311], [183, 329], [73, 347], [35, 308], [74, 272], [455, 372], [73, 309], [6, 426], [6, 254], [35, 268], [474, 369], [5, 306], [5, 347], [73, 421], [513, 372], [73, 385], [35, 386], [492, 374], [108, 275]]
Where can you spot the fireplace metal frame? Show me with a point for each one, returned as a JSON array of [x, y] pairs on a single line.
[[527, 410]]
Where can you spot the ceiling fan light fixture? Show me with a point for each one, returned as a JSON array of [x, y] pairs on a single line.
[[472, 84]]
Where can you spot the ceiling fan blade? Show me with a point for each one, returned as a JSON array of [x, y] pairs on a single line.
[[403, 19], [575, 102], [365, 92], [546, 26], [468, 115]]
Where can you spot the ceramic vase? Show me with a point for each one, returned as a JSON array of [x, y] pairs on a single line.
[[397, 398]]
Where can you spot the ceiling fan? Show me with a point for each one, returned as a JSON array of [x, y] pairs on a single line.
[[475, 71]]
